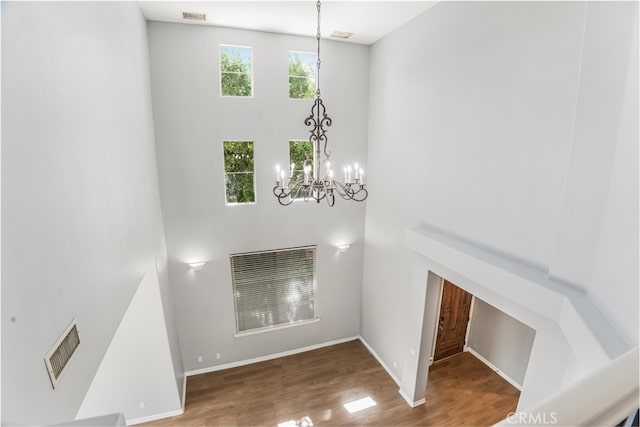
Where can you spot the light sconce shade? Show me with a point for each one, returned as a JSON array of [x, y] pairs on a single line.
[[343, 248], [197, 266]]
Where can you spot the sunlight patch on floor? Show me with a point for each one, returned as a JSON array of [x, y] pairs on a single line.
[[359, 405]]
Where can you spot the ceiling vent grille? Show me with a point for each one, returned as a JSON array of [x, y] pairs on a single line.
[[341, 34], [60, 354], [192, 16]]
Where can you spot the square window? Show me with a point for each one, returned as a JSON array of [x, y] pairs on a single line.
[[238, 172], [274, 288], [302, 75], [236, 71]]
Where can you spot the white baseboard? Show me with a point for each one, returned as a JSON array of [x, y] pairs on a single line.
[[409, 401], [155, 417], [392, 375], [379, 359], [494, 368], [184, 391], [267, 357]]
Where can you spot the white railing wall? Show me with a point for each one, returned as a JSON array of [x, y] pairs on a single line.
[[604, 398]]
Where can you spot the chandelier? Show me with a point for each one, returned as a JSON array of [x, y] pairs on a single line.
[[312, 185]]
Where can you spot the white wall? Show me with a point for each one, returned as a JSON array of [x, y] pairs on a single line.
[[605, 81], [614, 283], [501, 339], [483, 149], [423, 310], [474, 110], [80, 202], [168, 306], [192, 120], [136, 376]]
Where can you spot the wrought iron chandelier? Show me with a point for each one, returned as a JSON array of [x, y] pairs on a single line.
[[312, 185]]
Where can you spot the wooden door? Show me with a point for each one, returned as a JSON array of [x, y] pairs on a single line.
[[454, 317]]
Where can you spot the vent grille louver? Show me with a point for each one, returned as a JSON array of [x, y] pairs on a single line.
[[193, 16], [341, 34], [60, 354]]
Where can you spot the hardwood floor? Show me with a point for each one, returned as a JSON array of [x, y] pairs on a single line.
[[461, 391]]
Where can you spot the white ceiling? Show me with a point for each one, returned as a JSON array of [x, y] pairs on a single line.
[[368, 20]]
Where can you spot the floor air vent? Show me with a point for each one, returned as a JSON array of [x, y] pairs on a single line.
[[59, 356]]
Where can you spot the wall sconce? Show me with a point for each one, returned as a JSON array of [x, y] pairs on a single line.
[[343, 248], [197, 266]]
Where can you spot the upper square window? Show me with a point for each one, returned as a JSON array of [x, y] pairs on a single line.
[[236, 71], [302, 75]]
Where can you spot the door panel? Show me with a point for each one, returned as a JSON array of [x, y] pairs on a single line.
[[454, 317]]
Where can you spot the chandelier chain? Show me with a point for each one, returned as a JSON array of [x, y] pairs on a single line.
[[318, 59]]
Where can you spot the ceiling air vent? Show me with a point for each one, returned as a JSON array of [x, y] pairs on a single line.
[[60, 354], [341, 34], [192, 16]]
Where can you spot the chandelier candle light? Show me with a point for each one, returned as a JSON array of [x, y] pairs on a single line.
[[311, 186]]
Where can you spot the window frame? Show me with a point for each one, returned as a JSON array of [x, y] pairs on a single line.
[[251, 76], [224, 175], [266, 329]]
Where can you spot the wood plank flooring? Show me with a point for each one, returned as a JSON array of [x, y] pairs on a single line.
[[461, 391]]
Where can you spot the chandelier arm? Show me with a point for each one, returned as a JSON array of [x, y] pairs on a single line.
[[318, 191], [328, 191], [349, 193], [331, 198], [362, 198], [286, 197], [339, 187], [283, 203], [344, 190], [306, 195], [281, 195], [296, 189]]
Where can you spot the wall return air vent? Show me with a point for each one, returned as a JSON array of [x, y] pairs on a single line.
[[61, 352]]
